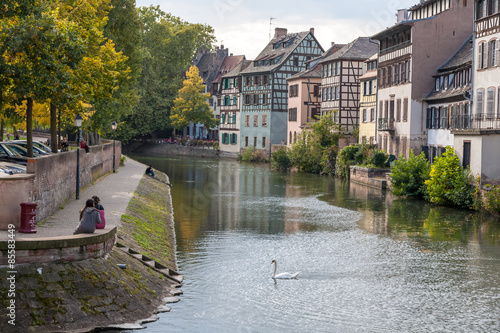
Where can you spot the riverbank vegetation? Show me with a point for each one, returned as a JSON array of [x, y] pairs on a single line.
[[444, 182], [316, 151]]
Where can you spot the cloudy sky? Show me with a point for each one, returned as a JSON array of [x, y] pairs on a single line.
[[243, 26]]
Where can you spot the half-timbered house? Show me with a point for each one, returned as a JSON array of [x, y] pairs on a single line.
[[340, 85], [229, 99], [368, 101], [265, 90], [229, 63], [424, 37]]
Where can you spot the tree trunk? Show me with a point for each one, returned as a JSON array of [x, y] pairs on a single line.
[[53, 128], [59, 129], [29, 126], [1, 122]]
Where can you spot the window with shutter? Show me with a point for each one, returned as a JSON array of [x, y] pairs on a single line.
[[405, 110], [479, 102], [490, 102], [234, 118], [429, 118]]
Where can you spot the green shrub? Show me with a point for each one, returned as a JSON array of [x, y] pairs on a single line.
[[216, 145], [408, 176], [449, 183], [329, 160], [122, 160], [492, 198], [306, 153], [280, 159], [250, 154], [377, 158]]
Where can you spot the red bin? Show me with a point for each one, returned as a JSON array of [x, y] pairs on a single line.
[[28, 217]]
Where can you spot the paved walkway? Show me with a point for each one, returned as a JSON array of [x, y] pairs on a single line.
[[115, 191]]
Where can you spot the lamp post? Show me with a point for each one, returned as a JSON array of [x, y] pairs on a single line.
[[113, 126], [78, 124]]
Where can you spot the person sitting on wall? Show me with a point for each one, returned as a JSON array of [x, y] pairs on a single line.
[[150, 171], [100, 208], [64, 145], [89, 218]]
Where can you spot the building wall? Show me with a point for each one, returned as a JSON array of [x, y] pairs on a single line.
[[367, 128], [300, 103]]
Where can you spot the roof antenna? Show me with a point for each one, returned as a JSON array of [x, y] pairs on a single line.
[[270, 23]]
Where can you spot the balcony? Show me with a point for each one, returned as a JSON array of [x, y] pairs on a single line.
[[386, 124], [487, 25], [478, 121]]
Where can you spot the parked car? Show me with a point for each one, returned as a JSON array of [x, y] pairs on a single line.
[[37, 144], [37, 147], [7, 154], [21, 150], [12, 168]]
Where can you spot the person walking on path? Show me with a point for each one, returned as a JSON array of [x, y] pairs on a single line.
[[89, 217]]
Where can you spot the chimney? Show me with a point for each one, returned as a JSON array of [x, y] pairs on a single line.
[[311, 31], [402, 15], [279, 32], [333, 43], [230, 54]]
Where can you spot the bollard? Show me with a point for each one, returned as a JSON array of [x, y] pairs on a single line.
[[28, 217]]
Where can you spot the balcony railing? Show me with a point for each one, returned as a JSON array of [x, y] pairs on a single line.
[[386, 124], [395, 47], [478, 121]]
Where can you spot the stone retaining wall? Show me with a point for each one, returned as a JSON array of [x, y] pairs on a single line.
[[369, 176], [54, 181], [61, 249]]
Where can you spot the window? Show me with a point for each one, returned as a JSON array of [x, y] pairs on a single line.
[[255, 141], [398, 110], [466, 161], [246, 141], [264, 120], [256, 80], [264, 98], [235, 100], [296, 61], [247, 120], [315, 113], [479, 101], [372, 115], [234, 139], [227, 100], [405, 110], [234, 118], [264, 80], [248, 81], [263, 142], [490, 102], [365, 115], [256, 120], [294, 90], [492, 52], [481, 57], [292, 114], [247, 99]]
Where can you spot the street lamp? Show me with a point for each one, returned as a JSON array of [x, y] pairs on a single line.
[[78, 124], [113, 126]]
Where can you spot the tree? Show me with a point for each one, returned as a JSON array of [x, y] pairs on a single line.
[[168, 47], [191, 105]]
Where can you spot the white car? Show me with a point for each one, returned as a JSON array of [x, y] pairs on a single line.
[[12, 168]]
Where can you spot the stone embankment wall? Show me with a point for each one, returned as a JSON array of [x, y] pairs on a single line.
[[51, 180], [116, 291], [167, 149], [369, 176]]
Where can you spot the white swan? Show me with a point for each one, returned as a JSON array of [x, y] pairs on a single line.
[[282, 275]]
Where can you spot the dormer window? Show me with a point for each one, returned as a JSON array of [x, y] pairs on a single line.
[[437, 84]]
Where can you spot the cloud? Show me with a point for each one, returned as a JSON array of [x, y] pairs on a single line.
[[243, 25]]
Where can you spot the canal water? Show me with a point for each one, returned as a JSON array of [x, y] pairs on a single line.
[[368, 262]]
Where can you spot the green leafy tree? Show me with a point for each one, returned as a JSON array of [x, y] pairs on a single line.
[[191, 105], [280, 159], [408, 176], [449, 183], [167, 50]]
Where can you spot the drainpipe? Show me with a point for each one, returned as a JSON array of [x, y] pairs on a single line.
[[308, 96], [471, 99], [376, 95]]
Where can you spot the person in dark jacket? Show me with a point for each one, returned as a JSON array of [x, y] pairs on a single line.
[[100, 208], [89, 217]]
